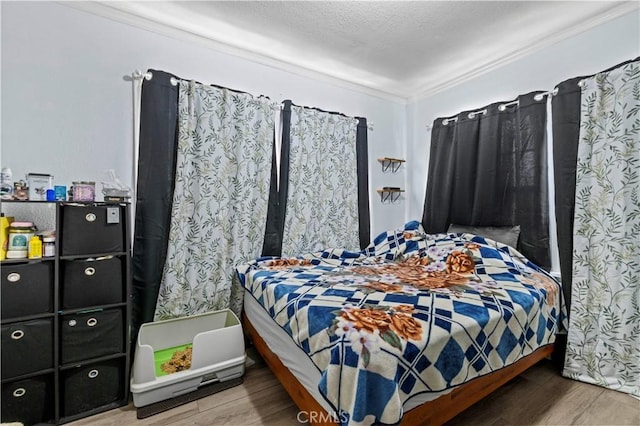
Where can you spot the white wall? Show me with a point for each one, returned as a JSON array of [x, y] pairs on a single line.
[[584, 54], [67, 108]]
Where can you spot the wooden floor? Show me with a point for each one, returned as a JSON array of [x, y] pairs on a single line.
[[538, 397]]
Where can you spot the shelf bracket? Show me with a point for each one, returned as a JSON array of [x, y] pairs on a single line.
[[385, 165], [390, 196], [392, 164]]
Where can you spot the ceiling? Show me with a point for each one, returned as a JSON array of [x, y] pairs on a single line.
[[398, 49]]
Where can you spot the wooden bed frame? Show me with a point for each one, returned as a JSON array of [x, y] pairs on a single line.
[[434, 412]]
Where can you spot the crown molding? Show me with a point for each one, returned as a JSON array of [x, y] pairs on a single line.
[[420, 93], [121, 16], [613, 13]]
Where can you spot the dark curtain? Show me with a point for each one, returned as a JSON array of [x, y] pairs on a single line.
[[154, 193], [363, 181], [490, 169], [278, 198], [566, 131], [532, 194], [436, 219]]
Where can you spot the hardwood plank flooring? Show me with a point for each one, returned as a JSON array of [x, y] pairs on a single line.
[[538, 397]]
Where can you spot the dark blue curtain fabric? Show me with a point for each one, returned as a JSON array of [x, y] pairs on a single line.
[[566, 131], [278, 194], [363, 181], [154, 193], [440, 178], [488, 167]]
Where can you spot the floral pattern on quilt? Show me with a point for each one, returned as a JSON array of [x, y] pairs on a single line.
[[411, 313]]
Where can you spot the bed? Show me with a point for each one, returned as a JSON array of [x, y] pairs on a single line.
[[414, 329]]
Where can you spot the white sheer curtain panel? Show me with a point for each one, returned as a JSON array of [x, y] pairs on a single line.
[[220, 199], [604, 329], [322, 200]]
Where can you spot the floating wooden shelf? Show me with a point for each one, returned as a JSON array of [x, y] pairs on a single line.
[[389, 195], [390, 163]]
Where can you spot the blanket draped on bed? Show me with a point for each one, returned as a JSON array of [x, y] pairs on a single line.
[[411, 313]]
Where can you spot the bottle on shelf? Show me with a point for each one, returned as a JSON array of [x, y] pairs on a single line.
[[48, 246], [5, 222], [35, 247]]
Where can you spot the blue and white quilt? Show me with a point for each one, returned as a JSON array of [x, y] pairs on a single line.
[[411, 313]]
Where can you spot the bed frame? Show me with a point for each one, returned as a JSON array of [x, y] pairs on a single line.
[[434, 412]]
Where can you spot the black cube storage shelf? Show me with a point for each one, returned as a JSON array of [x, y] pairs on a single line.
[[31, 400], [89, 282], [86, 335], [65, 320], [27, 347], [85, 387], [92, 229], [33, 280]]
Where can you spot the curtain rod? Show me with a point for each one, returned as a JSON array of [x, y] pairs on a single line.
[[538, 97], [139, 75], [502, 107]]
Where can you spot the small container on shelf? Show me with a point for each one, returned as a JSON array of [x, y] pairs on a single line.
[[48, 246], [20, 191], [60, 192], [20, 234], [35, 247], [6, 184], [84, 191], [38, 184]]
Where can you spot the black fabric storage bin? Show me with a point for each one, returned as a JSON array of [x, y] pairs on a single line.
[[26, 289], [92, 282], [91, 334], [28, 401], [86, 230], [91, 386], [27, 347]]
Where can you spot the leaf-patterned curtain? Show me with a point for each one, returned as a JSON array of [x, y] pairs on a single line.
[[604, 329], [322, 198], [220, 199]]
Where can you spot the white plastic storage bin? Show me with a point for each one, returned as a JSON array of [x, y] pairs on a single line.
[[217, 355]]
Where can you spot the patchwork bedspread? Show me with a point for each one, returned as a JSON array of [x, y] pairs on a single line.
[[411, 313]]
